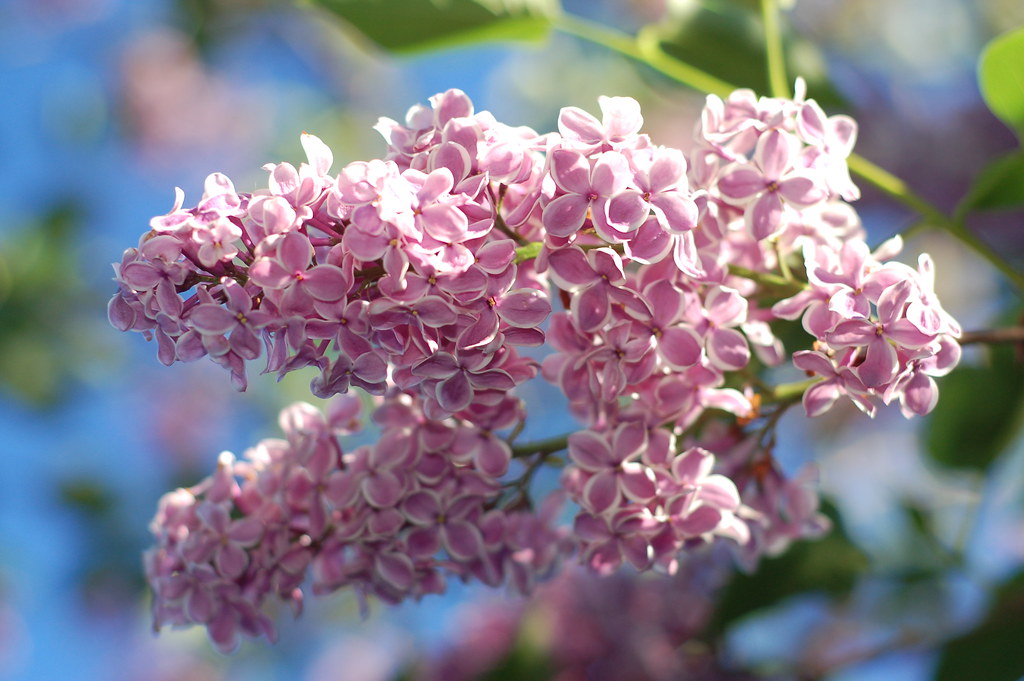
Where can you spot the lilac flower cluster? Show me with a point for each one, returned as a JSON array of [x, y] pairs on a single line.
[[617, 628], [881, 332], [392, 520], [418, 276], [662, 268], [777, 510], [393, 271]]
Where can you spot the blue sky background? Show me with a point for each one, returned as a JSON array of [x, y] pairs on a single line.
[[80, 466]]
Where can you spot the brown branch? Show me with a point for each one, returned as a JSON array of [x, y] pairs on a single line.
[[1012, 334]]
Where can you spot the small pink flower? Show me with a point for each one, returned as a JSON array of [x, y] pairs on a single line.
[[586, 186], [620, 122], [294, 284], [770, 182], [615, 472], [445, 521]]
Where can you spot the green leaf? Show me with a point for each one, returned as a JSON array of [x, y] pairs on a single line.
[[1001, 78], [43, 308], [999, 185], [978, 413], [828, 565], [415, 25], [992, 651]]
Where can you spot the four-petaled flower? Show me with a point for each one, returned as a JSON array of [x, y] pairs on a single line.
[[769, 182]]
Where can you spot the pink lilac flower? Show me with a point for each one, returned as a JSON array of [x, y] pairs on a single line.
[[771, 182], [619, 126], [388, 519], [615, 474], [419, 277], [585, 190]]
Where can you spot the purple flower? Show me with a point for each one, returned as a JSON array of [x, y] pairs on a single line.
[[368, 370], [444, 520], [221, 540], [290, 281], [677, 343], [771, 176], [607, 539], [659, 178], [596, 279], [237, 320], [620, 122], [586, 187], [723, 309], [880, 339], [157, 269], [703, 503], [615, 474], [455, 380], [839, 381]]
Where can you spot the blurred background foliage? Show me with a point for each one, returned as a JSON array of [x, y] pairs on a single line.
[[117, 101]]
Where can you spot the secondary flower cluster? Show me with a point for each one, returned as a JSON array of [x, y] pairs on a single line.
[[776, 509], [641, 502], [391, 520], [881, 332], [665, 299], [417, 276], [600, 628]]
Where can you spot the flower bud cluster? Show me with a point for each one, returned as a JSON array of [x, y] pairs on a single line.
[[881, 333], [393, 520]]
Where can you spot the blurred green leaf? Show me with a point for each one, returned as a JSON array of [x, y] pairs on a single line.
[[725, 38], [979, 411], [992, 651], [930, 556], [999, 185], [828, 565], [41, 302], [524, 661], [1001, 78], [213, 22], [86, 495], [414, 25]]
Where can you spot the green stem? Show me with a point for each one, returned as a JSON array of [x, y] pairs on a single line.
[[960, 231], [792, 392], [888, 183], [898, 189], [647, 51], [499, 222], [528, 251], [780, 285], [982, 249], [916, 227], [545, 447], [515, 432], [787, 275], [777, 80], [519, 489]]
